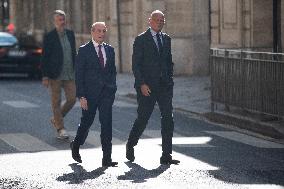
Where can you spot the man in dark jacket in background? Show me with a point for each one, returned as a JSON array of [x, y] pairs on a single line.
[[59, 51]]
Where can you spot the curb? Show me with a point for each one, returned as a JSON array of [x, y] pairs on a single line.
[[244, 123], [240, 122]]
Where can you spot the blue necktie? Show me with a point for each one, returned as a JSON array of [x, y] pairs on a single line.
[[159, 43]]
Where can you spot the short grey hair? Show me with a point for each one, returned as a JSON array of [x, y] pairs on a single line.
[[97, 23], [59, 13], [156, 12]]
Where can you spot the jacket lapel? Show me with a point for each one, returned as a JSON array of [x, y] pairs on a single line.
[[56, 39], [107, 54], [93, 53], [151, 40], [164, 42]]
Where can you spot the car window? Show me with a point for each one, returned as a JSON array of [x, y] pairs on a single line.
[[27, 41], [8, 39]]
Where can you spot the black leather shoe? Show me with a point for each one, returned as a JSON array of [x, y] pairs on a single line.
[[130, 153], [109, 163], [167, 160], [75, 152]]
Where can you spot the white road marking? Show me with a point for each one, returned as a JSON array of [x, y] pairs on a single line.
[[59, 163], [95, 139], [156, 133], [147, 152], [20, 104], [192, 142], [116, 103], [25, 142], [246, 139], [123, 104], [179, 140]]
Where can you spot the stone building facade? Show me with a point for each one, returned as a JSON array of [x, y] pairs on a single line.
[[246, 24], [236, 24], [194, 25], [187, 22]]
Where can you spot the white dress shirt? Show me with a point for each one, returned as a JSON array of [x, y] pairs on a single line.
[[155, 37], [96, 45]]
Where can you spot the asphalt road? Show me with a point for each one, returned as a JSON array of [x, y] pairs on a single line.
[[211, 156]]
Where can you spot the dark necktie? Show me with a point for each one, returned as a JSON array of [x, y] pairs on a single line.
[[101, 57], [159, 43]]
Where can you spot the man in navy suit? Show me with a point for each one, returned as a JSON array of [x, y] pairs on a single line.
[[153, 71], [95, 77]]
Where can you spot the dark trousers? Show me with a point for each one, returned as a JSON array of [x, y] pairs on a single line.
[[104, 105], [163, 96]]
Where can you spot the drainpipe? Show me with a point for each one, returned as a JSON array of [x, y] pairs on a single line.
[[119, 36], [277, 26], [209, 7], [209, 35]]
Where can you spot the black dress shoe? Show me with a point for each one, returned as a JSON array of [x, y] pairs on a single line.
[[168, 160], [130, 153], [75, 152], [109, 163]]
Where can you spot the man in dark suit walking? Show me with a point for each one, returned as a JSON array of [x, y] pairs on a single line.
[[59, 51], [153, 71], [95, 87]]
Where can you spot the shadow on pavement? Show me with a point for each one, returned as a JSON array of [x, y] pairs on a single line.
[[80, 174], [239, 165], [138, 174]]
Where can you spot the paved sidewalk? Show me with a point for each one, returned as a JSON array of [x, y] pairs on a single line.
[[191, 94]]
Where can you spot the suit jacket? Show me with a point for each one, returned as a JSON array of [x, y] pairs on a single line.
[[52, 59], [147, 65], [90, 77]]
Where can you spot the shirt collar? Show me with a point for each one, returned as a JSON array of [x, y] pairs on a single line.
[[154, 33], [96, 44], [61, 34]]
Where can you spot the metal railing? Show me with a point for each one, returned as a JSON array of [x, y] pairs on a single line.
[[248, 80]]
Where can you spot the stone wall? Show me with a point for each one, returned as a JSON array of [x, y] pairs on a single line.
[[241, 24], [187, 22], [193, 28], [262, 23]]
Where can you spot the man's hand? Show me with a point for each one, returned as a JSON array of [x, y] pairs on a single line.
[[84, 103], [45, 82], [145, 90]]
